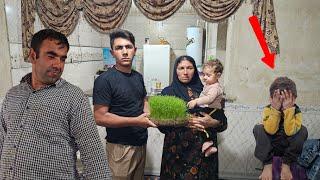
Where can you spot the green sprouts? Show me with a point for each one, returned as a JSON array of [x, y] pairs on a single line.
[[168, 109]]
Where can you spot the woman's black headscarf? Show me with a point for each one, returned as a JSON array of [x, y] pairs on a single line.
[[178, 88]]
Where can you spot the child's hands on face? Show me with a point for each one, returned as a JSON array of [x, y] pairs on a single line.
[[191, 104], [288, 99], [276, 100]]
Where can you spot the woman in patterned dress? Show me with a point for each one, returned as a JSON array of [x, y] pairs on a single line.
[[182, 156]]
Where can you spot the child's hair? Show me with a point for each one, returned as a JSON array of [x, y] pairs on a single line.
[[283, 83], [215, 64]]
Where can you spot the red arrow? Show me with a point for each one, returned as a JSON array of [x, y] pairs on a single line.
[[269, 57]]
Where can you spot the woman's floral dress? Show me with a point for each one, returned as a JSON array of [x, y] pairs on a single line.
[[182, 157]]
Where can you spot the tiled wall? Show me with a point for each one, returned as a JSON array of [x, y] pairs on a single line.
[[5, 65]]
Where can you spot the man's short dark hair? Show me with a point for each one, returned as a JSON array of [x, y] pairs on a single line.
[[120, 33], [44, 34], [283, 83]]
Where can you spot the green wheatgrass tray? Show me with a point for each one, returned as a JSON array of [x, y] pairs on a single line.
[[168, 111]]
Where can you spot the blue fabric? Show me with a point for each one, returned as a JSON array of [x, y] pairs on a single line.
[[313, 173], [310, 158]]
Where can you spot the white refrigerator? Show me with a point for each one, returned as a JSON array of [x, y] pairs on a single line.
[[157, 69]]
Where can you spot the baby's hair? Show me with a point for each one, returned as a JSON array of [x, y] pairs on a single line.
[[283, 83], [216, 64]]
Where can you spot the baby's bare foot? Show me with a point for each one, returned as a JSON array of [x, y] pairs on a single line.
[[208, 149], [266, 173], [206, 145], [286, 172]]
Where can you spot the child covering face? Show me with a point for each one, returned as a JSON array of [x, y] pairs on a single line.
[[281, 132]]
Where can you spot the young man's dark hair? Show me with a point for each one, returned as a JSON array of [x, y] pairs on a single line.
[[283, 83], [44, 34], [120, 33]]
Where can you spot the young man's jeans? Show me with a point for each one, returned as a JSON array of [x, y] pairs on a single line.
[[310, 158]]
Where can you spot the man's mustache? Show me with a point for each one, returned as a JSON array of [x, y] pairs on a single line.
[[53, 69]]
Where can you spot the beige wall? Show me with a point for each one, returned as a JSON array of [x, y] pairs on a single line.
[[247, 79], [5, 80]]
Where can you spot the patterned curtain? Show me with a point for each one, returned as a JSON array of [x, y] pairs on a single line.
[[215, 10], [59, 15], [27, 25], [63, 16], [158, 9], [105, 15], [264, 10]]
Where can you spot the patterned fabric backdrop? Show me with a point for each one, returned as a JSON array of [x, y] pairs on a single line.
[[264, 10], [106, 15], [158, 9], [63, 15], [215, 10]]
